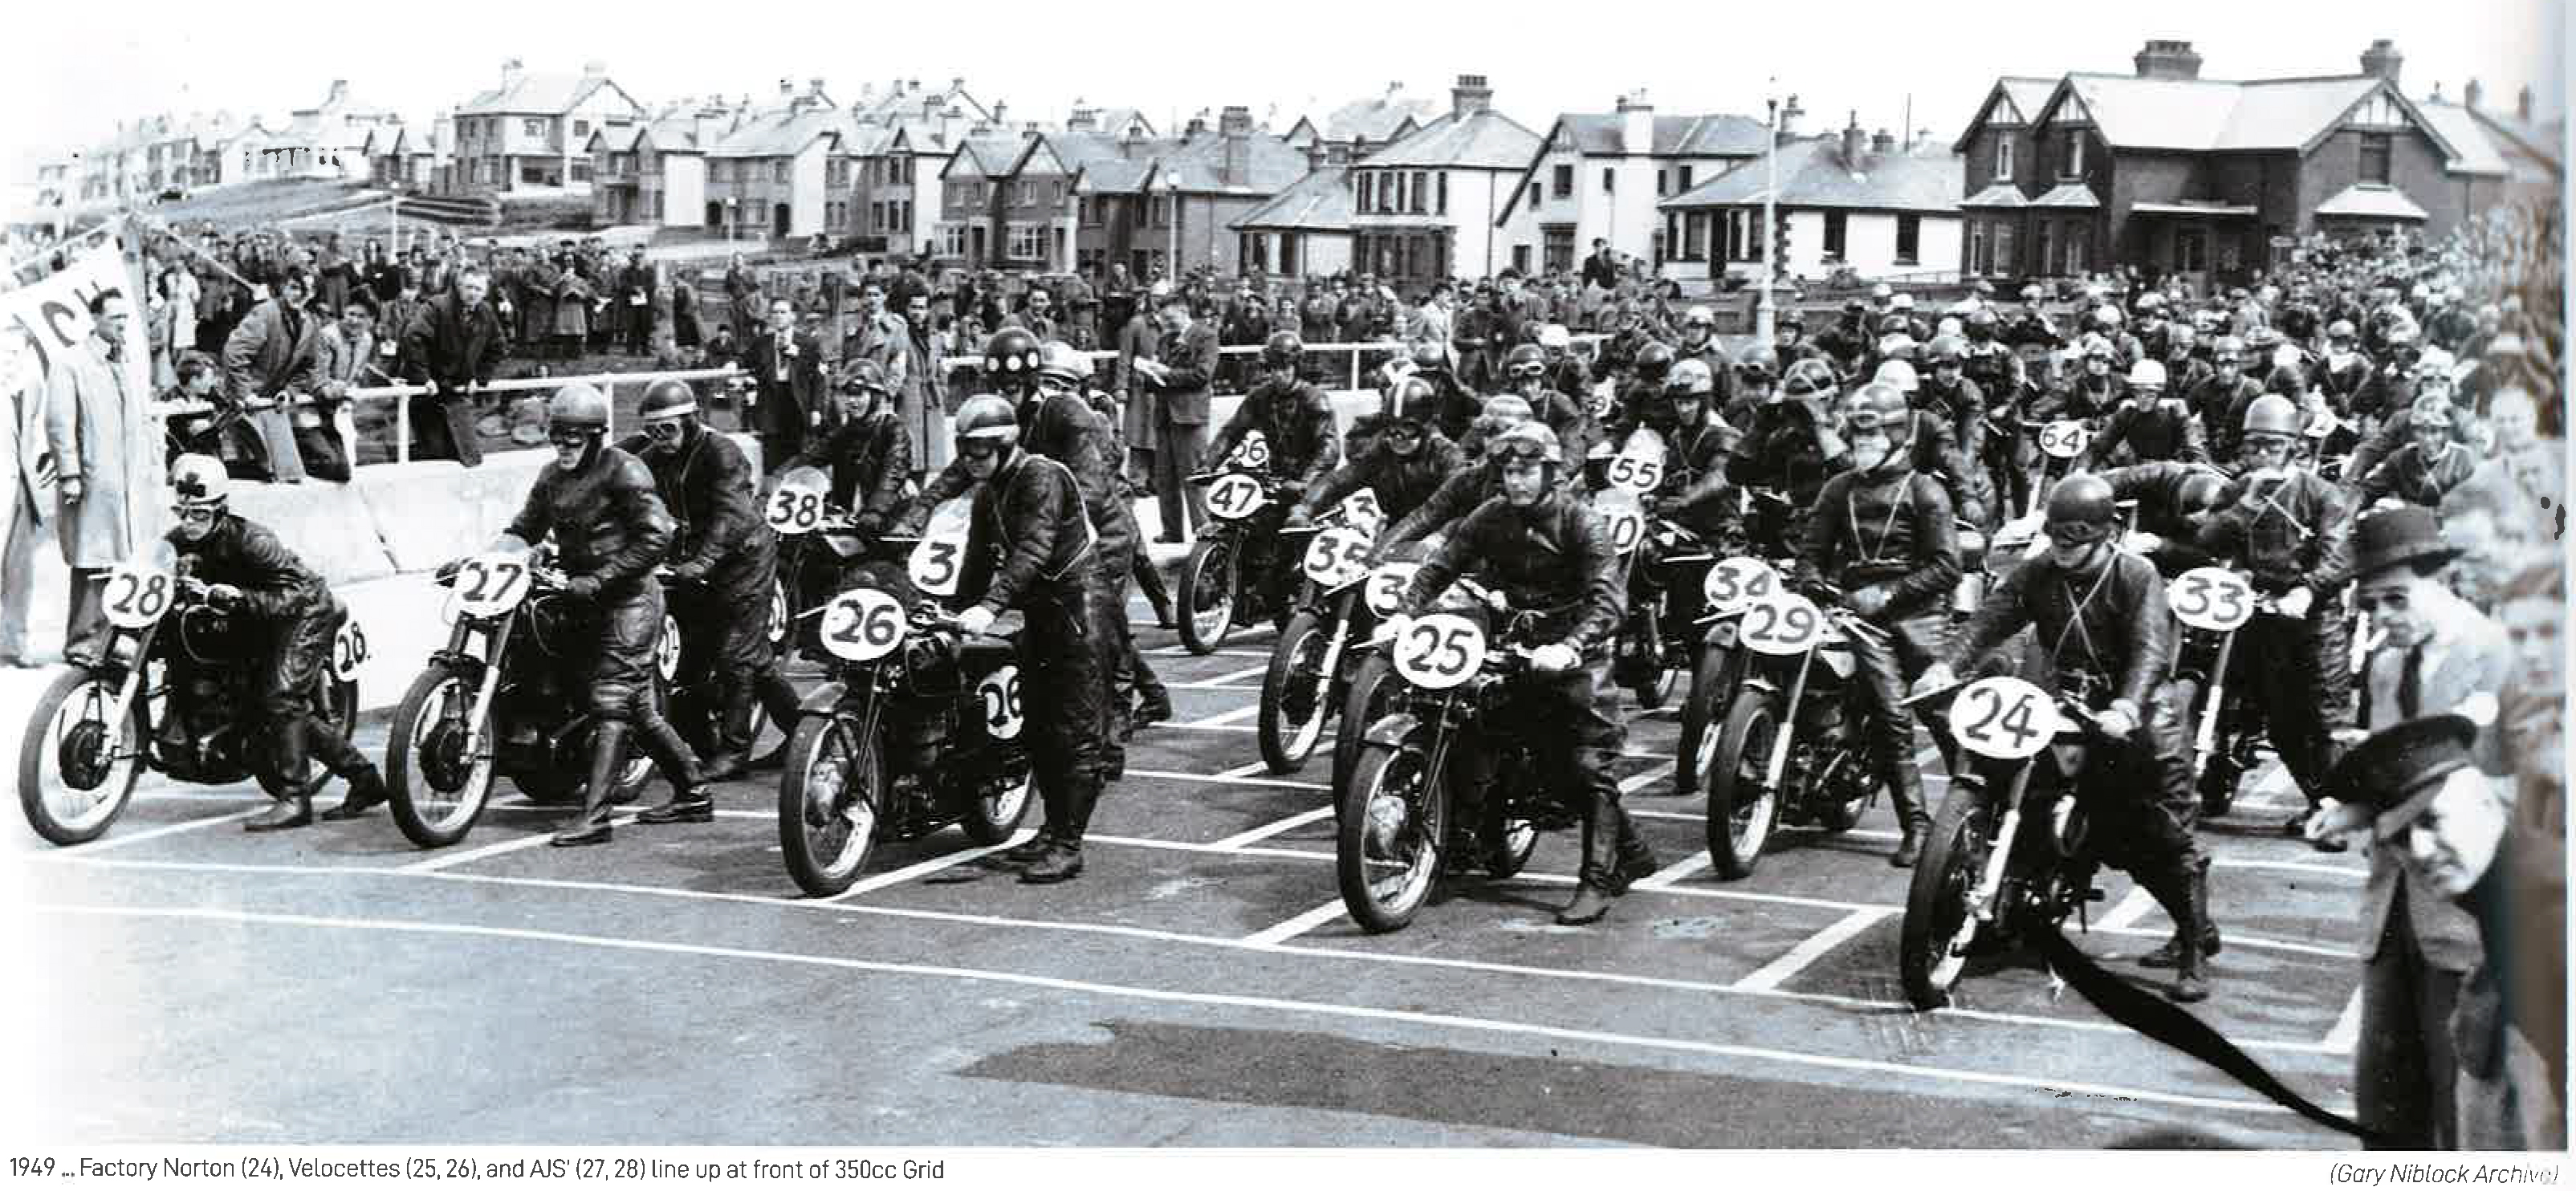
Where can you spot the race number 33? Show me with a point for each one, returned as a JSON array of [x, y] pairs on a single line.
[[2006, 719], [2212, 598]]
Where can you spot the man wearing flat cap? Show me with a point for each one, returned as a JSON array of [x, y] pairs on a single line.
[[2439, 658]]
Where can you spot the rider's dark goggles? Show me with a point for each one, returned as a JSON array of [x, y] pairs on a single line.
[[1528, 371], [2076, 533], [197, 515], [1866, 419], [664, 429], [571, 436], [1404, 431]]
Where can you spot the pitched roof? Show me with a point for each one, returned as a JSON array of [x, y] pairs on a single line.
[[1814, 174], [2211, 115], [1269, 166], [989, 155], [540, 95], [2544, 141], [2478, 152], [2069, 195], [2371, 202], [1601, 134], [781, 133], [1319, 202], [2001, 194], [1484, 139], [1376, 118]]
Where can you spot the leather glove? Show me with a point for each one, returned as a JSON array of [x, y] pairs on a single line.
[[1555, 657], [582, 587], [1390, 628], [975, 620], [689, 573], [1298, 518], [2296, 602], [1934, 677], [1973, 512], [870, 524], [1868, 601], [2120, 720], [223, 595]]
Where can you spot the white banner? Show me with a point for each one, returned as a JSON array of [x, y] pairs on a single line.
[[52, 315]]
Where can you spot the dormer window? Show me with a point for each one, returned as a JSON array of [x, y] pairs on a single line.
[[2004, 157], [2074, 154]]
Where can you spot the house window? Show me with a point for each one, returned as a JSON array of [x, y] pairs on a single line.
[[1835, 225], [1909, 239], [1367, 191], [1421, 193], [1980, 251], [1695, 236], [903, 213], [1609, 180], [1564, 181], [1444, 191], [2074, 154], [876, 217], [532, 127], [1536, 193], [1685, 184], [2375, 148], [581, 171], [2039, 246], [581, 130], [657, 206], [952, 240], [2003, 157], [778, 170], [1663, 182], [1027, 242]]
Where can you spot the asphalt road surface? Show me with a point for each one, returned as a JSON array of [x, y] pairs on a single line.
[[182, 981]]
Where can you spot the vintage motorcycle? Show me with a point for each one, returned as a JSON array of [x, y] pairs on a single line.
[[503, 699], [2062, 443], [2007, 853], [1393, 831], [1794, 745], [918, 725], [1310, 664], [173, 690], [1659, 640], [1225, 581], [2211, 604], [816, 541]]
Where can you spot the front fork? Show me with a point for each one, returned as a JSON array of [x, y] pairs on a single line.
[[1786, 734], [1984, 899], [2204, 742], [490, 687]]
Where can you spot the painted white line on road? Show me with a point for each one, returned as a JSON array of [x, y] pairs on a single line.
[[1689, 866], [1236, 716], [1274, 936], [952, 917], [1630, 785], [119, 841], [1251, 769], [1279, 827], [1170, 651], [2343, 871], [1776, 973], [447, 860], [175, 795], [1650, 813], [927, 867], [1215, 780], [1200, 727], [1234, 676], [1215, 684], [2129, 911], [2347, 1027], [2049, 1087], [1170, 845]]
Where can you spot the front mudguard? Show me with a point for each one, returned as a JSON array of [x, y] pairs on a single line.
[[1393, 730], [823, 699]]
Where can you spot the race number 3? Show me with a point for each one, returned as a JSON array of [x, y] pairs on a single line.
[[936, 564], [999, 697], [1235, 497], [2064, 439], [862, 624], [666, 649], [1386, 586], [1738, 581], [491, 584], [1337, 558], [1361, 510], [348, 650], [2212, 598], [2006, 719], [1440, 651], [137, 595], [1781, 625]]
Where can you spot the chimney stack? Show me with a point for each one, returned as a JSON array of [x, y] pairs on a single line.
[[510, 69], [1882, 142], [1198, 124], [1636, 123], [1790, 113], [814, 85], [2167, 60], [2522, 105], [1234, 125], [1470, 96], [1855, 143], [2471, 94], [1317, 155], [1083, 119], [594, 69], [2382, 60], [339, 91], [1001, 114], [787, 86]]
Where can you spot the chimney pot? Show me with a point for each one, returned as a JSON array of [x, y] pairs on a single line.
[[2522, 105], [1882, 141], [1471, 95], [2471, 94], [816, 85], [2382, 60], [1854, 142], [2167, 59]]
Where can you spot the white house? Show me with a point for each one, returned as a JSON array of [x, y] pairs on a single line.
[[1431, 205], [1599, 175], [329, 140], [1851, 201], [784, 171], [533, 131]]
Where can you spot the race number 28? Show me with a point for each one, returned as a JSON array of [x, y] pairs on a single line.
[[136, 597]]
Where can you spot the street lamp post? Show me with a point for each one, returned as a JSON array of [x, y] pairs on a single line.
[[1766, 315], [1172, 201]]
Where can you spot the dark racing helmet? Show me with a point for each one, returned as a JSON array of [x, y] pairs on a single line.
[[1527, 442], [2272, 413], [986, 418], [1525, 361], [1653, 361], [866, 376], [2081, 509], [578, 407], [1807, 378], [1880, 406], [665, 399], [1283, 350], [1428, 357], [1412, 401], [1010, 355]]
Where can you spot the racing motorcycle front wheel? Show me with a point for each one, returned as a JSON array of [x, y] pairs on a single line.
[[1941, 917], [1393, 828], [1296, 694], [828, 803], [1209, 588], [438, 765], [1734, 764], [76, 772]]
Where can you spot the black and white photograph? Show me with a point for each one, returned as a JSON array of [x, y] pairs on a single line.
[[869, 593]]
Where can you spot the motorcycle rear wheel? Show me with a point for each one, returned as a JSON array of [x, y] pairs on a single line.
[[433, 802], [1382, 888], [1296, 671], [1742, 809], [828, 804], [1940, 925], [1207, 593], [78, 814], [995, 818]]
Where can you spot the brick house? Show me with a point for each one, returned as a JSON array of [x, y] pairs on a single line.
[[1309, 224], [2176, 174], [1362, 126], [1431, 205], [533, 131], [783, 171], [968, 229], [1599, 176]]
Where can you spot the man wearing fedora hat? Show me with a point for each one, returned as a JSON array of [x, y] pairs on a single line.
[[2438, 657]]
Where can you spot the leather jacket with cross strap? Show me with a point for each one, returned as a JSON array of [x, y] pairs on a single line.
[[2106, 622]]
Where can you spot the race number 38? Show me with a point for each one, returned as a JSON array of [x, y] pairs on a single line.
[[2006, 719], [136, 596], [2064, 440], [793, 510], [1337, 558], [862, 624], [491, 584], [1781, 625], [999, 697], [1440, 651], [1235, 497], [348, 650], [1738, 581], [2212, 598]]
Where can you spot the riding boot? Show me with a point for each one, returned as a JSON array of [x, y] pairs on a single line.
[[366, 785], [1636, 860], [1597, 881], [1062, 861], [607, 756], [2189, 983], [733, 739], [1905, 789], [1030, 850], [691, 800], [1153, 699], [1149, 580], [295, 807], [2170, 955]]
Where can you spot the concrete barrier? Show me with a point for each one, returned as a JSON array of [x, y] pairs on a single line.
[[429, 512], [329, 526]]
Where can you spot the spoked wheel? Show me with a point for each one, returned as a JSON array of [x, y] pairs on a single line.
[[1941, 922], [1517, 839], [1742, 806], [1653, 686], [2215, 772], [998, 814], [76, 771], [828, 802], [1372, 694], [1393, 829], [439, 784], [1296, 695], [1207, 593], [782, 615], [1712, 689], [1845, 770]]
